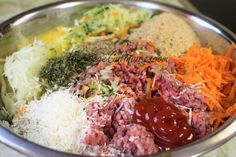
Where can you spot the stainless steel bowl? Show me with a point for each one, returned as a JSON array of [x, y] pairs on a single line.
[[42, 19]]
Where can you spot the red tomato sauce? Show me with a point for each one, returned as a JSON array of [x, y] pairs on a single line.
[[165, 121]]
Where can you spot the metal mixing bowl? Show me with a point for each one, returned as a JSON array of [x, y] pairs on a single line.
[[42, 19]]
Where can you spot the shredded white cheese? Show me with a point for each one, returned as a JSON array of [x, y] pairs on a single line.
[[57, 121]]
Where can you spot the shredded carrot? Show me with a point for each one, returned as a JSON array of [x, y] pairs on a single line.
[[184, 112], [234, 70], [149, 81], [22, 110], [123, 32], [125, 63], [101, 65], [113, 36], [229, 52], [114, 13], [217, 75], [85, 18], [128, 92], [232, 93], [145, 66], [149, 84], [113, 64], [230, 111], [102, 33]]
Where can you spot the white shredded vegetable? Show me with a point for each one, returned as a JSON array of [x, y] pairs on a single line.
[[22, 68]]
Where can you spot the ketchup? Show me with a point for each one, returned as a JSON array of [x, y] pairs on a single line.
[[165, 121]]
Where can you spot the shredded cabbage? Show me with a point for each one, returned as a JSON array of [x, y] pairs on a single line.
[[22, 68], [8, 98], [114, 18], [111, 19]]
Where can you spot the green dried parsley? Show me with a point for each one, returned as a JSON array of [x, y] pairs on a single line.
[[60, 71]]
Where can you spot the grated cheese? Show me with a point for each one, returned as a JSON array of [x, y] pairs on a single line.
[[57, 121]]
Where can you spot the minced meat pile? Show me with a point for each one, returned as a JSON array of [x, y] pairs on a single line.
[[112, 130]]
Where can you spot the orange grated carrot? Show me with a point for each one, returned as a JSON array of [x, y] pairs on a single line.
[[22, 110], [128, 91], [230, 50], [85, 18], [123, 32], [114, 13], [113, 64], [113, 36], [102, 33], [216, 73], [149, 84], [147, 65], [101, 65]]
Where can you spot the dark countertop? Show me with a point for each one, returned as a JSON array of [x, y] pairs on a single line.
[[223, 11]]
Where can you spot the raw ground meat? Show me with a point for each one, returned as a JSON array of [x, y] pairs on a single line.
[[124, 113], [111, 123], [132, 77], [112, 131], [135, 139], [178, 93], [131, 46], [95, 137], [105, 119], [125, 136], [100, 118], [200, 123]]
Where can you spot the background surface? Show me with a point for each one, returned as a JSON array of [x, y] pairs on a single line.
[[222, 11], [10, 8]]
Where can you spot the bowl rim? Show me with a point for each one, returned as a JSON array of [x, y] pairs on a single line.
[[27, 147]]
